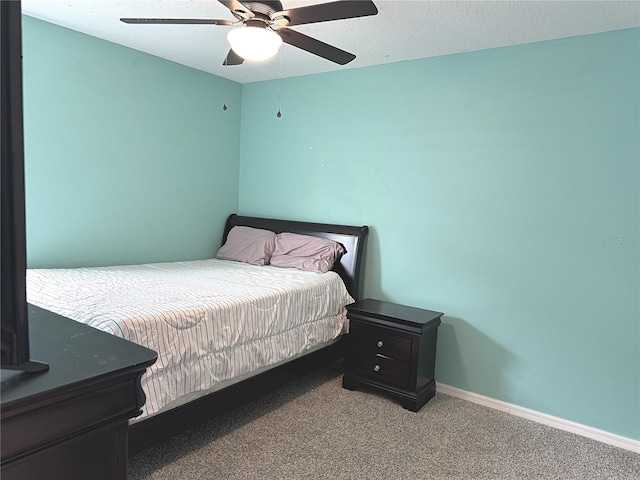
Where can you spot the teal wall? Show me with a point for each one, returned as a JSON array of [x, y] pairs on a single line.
[[501, 187], [128, 158]]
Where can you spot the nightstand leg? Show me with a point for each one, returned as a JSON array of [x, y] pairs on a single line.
[[422, 397], [347, 383], [410, 405]]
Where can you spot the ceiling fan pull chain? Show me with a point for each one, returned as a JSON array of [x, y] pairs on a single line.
[[224, 106], [279, 114]]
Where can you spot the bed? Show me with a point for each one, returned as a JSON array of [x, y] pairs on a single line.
[[226, 331]]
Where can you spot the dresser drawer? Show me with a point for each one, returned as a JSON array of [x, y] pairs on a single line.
[[380, 341], [380, 369]]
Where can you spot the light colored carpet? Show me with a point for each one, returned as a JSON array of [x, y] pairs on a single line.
[[314, 429]]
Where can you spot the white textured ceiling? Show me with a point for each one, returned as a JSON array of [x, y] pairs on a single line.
[[402, 30]]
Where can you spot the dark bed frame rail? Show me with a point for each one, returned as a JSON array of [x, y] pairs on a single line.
[[165, 425]]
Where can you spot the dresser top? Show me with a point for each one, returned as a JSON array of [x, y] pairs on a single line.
[[77, 355], [394, 312]]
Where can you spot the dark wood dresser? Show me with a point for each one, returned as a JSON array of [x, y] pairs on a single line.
[[71, 422], [392, 348]]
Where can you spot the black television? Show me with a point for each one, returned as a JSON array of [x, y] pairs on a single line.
[[13, 259]]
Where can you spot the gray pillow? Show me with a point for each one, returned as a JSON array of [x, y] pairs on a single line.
[[305, 252], [249, 245]]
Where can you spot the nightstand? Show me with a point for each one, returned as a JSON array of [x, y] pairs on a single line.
[[392, 348]]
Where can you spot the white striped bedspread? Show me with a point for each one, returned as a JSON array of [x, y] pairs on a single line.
[[209, 320]]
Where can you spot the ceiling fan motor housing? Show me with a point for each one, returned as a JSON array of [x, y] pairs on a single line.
[[263, 9]]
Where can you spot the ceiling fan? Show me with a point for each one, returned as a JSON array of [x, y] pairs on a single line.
[[266, 19]]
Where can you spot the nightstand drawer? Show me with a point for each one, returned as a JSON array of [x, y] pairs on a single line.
[[379, 340], [380, 369]]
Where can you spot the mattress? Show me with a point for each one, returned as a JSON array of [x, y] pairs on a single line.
[[210, 321]]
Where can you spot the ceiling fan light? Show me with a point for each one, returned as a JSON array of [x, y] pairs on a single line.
[[254, 43]]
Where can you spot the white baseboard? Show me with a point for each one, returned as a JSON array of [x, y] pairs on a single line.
[[543, 418]]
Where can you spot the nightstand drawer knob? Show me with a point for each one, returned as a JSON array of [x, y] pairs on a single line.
[[380, 343], [376, 368]]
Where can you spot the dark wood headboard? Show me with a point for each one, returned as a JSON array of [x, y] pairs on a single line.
[[352, 238]]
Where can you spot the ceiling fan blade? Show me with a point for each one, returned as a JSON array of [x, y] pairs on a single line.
[[314, 46], [177, 21], [325, 12], [232, 58], [237, 7]]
